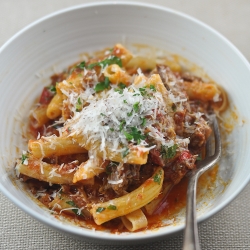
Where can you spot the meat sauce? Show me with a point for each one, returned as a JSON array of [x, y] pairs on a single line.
[[175, 202], [188, 122]]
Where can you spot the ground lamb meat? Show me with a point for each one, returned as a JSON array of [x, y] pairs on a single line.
[[121, 176], [179, 118], [199, 135], [184, 163]]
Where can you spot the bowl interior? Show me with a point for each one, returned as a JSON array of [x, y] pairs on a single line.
[[54, 42]]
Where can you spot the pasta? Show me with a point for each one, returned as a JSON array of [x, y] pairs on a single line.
[[129, 203], [113, 135], [54, 146], [135, 220], [39, 116]]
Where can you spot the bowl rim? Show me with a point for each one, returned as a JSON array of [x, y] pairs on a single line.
[[106, 236]]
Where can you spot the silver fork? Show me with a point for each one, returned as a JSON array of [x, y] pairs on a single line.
[[191, 237]]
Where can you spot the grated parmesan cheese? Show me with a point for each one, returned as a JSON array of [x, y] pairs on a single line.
[[53, 173], [103, 118], [115, 182]]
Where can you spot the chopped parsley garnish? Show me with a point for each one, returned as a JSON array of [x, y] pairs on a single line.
[[111, 129], [102, 85], [78, 105], [120, 91], [199, 158], [71, 203], [130, 113], [81, 65], [157, 178], [125, 152], [134, 134], [169, 152], [74, 210], [57, 125], [128, 136], [100, 209], [143, 91], [143, 121], [52, 88], [122, 85], [123, 122], [24, 157], [108, 61], [152, 87], [174, 108], [125, 101], [136, 106], [112, 207]]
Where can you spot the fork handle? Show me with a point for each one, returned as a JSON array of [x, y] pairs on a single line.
[[191, 237]]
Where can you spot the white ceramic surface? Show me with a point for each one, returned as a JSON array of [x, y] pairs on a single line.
[[54, 42]]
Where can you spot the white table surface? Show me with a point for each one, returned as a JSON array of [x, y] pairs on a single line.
[[229, 229]]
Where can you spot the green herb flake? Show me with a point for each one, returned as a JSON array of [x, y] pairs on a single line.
[[78, 105], [144, 120], [135, 134], [108, 61], [120, 91], [136, 106], [24, 157], [157, 178], [169, 152], [199, 158], [74, 210], [143, 91], [125, 101], [71, 203], [112, 207], [100, 209], [52, 88], [102, 85], [122, 85], [174, 108], [121, 126], [128, 136], [125, 152], [111, 129], [152, 87], [130, 113], [81, 65]]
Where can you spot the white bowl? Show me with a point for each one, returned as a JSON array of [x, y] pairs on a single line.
[[55, 41]]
